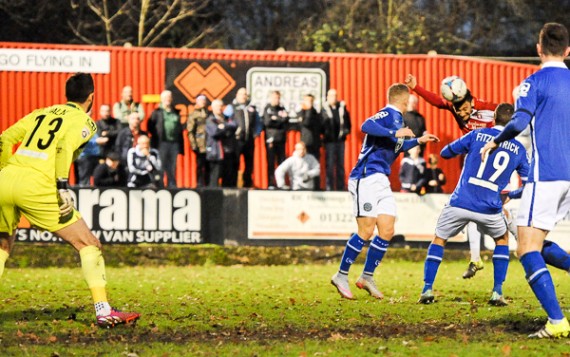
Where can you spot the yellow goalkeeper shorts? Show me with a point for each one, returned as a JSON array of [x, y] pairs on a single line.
[[26, 191]]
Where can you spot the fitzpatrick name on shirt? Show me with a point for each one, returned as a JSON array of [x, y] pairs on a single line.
[[507, 145]]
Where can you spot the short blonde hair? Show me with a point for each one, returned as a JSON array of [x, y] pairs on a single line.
[[398, 93]]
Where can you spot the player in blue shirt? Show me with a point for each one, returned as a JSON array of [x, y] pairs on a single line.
[[543, 104], [477, 198], [373, 200]]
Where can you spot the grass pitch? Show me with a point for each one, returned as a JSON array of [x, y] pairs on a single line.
[[274, 311]]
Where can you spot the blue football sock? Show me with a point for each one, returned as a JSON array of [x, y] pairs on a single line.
[[431, 265], [376, 251], [555, 256], [500, 264], [540, 281], [353, 248]]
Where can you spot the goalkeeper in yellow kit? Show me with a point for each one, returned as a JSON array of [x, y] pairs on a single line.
[[33, 182]]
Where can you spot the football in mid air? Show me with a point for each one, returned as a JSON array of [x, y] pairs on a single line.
[[453, 88]]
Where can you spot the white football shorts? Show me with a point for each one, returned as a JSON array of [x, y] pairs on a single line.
[[453, 219], [543, 204], [372, 196]]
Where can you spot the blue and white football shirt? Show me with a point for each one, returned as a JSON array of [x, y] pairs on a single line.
[[380, 147], [481, 183], [543, 102]]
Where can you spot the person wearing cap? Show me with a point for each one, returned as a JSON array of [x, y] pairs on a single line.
[[108, 173]]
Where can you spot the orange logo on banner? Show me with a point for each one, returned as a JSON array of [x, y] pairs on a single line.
[[303, 217], [213, 82]]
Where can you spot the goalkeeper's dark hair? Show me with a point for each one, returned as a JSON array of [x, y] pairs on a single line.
[[553, 39], [468, 97], [504, 113], [78, 87]]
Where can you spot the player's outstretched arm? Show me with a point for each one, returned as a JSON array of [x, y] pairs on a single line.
[[432, 98], [428, 138]]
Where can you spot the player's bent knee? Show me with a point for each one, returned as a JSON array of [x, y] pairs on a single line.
[[78, 235], [386, 233]]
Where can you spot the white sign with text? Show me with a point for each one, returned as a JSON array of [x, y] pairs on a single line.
[[328, 215], [35, 60], [292, 83]]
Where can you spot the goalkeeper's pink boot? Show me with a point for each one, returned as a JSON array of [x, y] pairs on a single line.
[[117, 317]]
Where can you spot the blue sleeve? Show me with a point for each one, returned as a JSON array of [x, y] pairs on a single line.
[[525, 108], [522, 169], [374, 128], [408, 144], [516, 194], [457, 147]]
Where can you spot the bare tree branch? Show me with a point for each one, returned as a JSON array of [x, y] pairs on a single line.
[[144, 10], [77, 33], [167, 21], [203, 34]]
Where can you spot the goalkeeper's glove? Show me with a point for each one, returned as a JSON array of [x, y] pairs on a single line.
[[65, 199]]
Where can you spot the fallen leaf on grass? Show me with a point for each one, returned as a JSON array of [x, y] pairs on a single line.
[[336, 337]]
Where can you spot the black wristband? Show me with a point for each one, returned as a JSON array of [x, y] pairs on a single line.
[[61, 184]]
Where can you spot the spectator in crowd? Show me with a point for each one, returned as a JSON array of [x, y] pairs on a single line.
[[196, 126], [144, 165], [301, 167], [434, 177], [107, 128], [412, 169], [109, 173], [87, 161], [311, 128], [275, 120], [415, 121], [128, 137], [248, 128], [220, 147], [123, 108], [165, 129], [336, 126]]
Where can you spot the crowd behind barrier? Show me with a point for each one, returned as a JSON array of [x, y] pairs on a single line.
[[221, 139]]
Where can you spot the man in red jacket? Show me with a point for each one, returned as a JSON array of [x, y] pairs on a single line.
[[469, 113]]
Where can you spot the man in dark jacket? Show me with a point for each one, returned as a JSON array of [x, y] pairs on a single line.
[[165, 129], [311, 128], [108, 173], [336, 126], [107, 128], [221, 147], [248, 128], [275, 120], [128, 137], [196, 126], [415, 121]]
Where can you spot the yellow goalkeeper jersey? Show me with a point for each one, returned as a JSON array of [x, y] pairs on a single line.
[[50, 139]]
